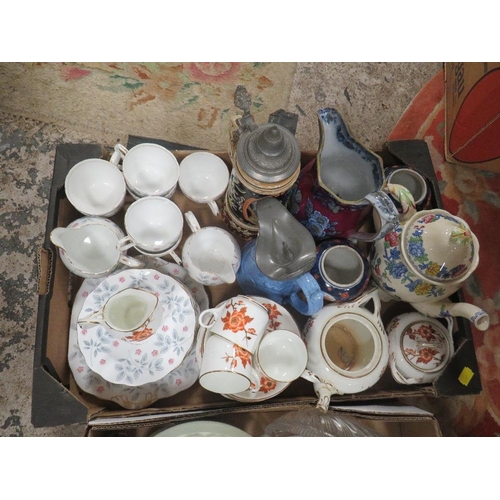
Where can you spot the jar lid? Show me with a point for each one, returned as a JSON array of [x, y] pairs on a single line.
[[425, 346], [269, 153], [440, 246]]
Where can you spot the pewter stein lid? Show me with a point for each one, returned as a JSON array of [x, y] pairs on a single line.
[[269, 153]]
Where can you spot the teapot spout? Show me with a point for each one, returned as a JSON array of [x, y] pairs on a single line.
[[446, 308]]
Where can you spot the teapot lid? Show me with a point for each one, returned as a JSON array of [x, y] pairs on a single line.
[[425, 346], [440, 246], [270, 153]]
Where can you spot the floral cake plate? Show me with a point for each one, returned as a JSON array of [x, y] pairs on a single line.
[[279, 318], [124, 360], [129, 397]]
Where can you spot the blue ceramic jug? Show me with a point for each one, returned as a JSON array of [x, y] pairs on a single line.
[[254, 282]]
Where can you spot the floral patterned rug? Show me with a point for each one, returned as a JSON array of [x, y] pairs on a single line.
[[473, 195], [188, 103]]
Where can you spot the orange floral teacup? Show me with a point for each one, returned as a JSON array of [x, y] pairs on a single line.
[[240, 319], [226, 368]]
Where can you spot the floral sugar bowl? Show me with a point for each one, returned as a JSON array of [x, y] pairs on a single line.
[[424, 260], [419, 347]]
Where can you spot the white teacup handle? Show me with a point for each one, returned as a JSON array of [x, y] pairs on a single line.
[[192, 222], [130, 261], [255, 381], [174, 256], [214, 311], [124, 244], [119, 154], [214, 207]]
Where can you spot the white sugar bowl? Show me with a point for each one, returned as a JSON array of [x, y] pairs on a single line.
[[420, 347]]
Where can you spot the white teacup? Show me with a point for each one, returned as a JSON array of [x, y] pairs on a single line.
[[149, 169], [281, 356], [154, 226], [240, 319], [210, 255], [95, 187], [226, 368], [203, 178]]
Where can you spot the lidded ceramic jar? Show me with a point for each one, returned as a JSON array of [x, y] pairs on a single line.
[[265, 159]]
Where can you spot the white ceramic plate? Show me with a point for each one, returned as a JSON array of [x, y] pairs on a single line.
[[279, 318], [134, 398], [201, 428]]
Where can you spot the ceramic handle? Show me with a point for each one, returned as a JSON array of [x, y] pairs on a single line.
[[131, 262], [192, 222], [313, 294], [386, 216], [118, 155], [214, 207], [124, 244], [174, 256], [323, 390], [374, 296], [405, 198], [214, 311]]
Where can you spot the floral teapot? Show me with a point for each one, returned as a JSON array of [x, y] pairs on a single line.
[[425, 259]]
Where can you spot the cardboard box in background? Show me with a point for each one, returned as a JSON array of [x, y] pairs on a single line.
[[385, 418], [472, 114]]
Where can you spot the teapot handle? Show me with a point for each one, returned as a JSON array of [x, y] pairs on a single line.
[[323, 390], [371, 295], [131, 262], [314, 297]]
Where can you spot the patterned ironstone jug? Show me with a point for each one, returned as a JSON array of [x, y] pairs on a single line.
[[265, 160], [338, 190]]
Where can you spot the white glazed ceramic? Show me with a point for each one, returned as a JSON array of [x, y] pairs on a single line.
[[130, 397], [210, 255], [149, 169], [226, 367], [240, 319], [95, 187], [147, 356], [201, 428], [203, 178], [279, 318], [419, 347], [88, 247], [347, 348], [154, 226], [281, 356], [426, 259]]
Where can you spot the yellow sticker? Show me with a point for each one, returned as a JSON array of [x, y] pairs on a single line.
[[466, 376]]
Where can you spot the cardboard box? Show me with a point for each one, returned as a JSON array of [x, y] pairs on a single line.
[[386, 420], [472, 119], [56, 398]]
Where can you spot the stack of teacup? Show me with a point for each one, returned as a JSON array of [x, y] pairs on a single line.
[[240, 352]]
